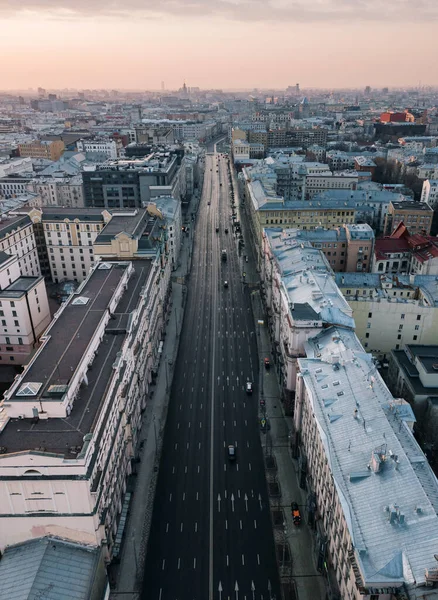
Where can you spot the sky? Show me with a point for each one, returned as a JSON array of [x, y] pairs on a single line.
[[137, 44]]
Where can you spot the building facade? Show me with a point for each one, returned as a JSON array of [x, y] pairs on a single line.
[[417, 216], [17, 238], [429, 193], [51, 149], [89, 381], [24, 311]]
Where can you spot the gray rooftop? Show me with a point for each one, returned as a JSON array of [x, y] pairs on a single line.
[[132, 223], [358, 420], [48, 569], [55, 364]]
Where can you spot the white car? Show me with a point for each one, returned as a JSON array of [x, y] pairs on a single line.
[[248, 387]]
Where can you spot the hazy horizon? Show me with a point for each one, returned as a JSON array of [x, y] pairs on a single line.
[[135, 45]]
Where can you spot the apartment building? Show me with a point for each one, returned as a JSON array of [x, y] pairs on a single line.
[[70, 422], [243, 150], [404, 253], [15, 185], [372, 497], [265, 208], [346, 248], [24, 311], [391, 310], [58, 191], [317, 183], [429, 193], [69, 238], [15, 166], [132, 183], [301, 298], [417, 216], [49, 149], [101, 148], [369, 503], [17, 238]]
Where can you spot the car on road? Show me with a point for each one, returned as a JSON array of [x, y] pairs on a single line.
[[225, 284], [296, 515], [231, 452], [208, 203], [226, 230], [267, 363], [217, 229], [248, 387]]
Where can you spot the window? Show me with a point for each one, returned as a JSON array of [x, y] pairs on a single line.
[[397, 346], [367, 335], [4, 323], [16, 323], [415, 337], [418, 316], [417, 327], [8, 340], [402, 316], [368, 325], [11, 358], [370, 315], [400, 327], [365, 345], [14, 313], [13, 305], [399, 337], [348, 291], [20, 341]]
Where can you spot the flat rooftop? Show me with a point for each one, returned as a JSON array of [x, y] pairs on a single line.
[[55, 364], [411, 206], [11, 223], [132, 223]]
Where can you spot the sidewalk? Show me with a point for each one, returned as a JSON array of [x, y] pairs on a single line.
[[126, 577]]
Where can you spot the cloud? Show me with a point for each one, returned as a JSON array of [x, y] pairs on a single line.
[[263, 11]]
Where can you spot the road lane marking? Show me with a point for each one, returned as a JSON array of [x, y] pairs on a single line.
[[228, 561], [184, 496], [162, 564], [170, 497], [194, 563], [185, 469], [196, 527], [243, 560], [173, 470], [159, 596], [179, 563], [241, 524], [258, 559], [226, 524], [182, 526], [255, 524], [249, 464], [167, 528], [197, 495], [199, 468], [176, 445]]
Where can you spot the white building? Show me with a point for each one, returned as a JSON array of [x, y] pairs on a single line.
[[301, 297], [429, 193], [17, 238], [15, 165], [24, 311], [372, 496], [69, 424], [101, 148], [59, 191]]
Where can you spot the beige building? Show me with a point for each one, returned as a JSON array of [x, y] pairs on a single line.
[[63, 191], [51, 150], [417, 216], [17, 238], [391, 311], [24, 311], [69, 238]]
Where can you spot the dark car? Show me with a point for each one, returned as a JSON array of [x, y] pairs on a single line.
[[226, 230], [296, 515], [231, 452], [267, 363], [217, 229]]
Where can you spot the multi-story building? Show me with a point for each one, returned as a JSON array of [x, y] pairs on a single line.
[[417, 216], [49, 149], [24, 311], [404, 253], [59, 191], [301, 297], [101, 148], [12, 186], [346, 248], [371, 494], [391, 311], [243, 150], [306, 137], [70, 422], [132, 183], [429, 193], [315, 183], [151, 134], [17, 238], [15, 166], [372, 508], [69, 238]]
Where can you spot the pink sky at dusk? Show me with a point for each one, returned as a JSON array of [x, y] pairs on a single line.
[[134, 44]]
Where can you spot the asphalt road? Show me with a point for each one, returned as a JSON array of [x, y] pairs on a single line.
[[211, 535]]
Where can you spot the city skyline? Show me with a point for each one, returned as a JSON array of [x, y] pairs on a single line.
[[225, 45]]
